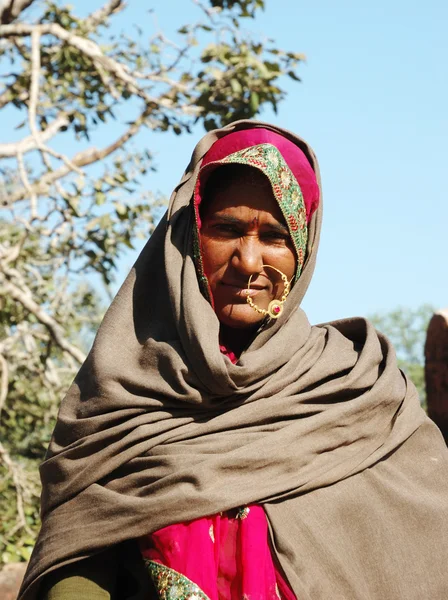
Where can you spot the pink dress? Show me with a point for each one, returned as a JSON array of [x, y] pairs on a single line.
[[221, 557]]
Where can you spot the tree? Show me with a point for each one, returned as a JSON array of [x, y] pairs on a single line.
[[406, 329], [67, 216], [436, 372]]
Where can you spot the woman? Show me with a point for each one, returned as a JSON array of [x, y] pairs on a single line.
[[210, 408]]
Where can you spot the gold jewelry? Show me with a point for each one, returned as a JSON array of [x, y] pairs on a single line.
[[242, 512], [275, 307]]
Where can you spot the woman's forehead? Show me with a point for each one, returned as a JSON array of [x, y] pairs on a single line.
[[243, 198]]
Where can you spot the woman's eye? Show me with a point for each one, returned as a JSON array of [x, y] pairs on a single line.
[[226, 229], [274, 236]]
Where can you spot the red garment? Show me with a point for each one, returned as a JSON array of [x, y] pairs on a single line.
[[227, 556]]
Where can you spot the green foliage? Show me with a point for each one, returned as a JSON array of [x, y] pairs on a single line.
[[242, 8], [246, 71], [17, 543], [68, 218], [406, 329]]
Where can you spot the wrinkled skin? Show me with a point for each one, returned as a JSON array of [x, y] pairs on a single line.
[[243, 229]]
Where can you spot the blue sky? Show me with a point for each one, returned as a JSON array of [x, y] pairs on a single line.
[[373, 103]]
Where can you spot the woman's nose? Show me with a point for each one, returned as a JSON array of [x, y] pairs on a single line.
[[248, 258]]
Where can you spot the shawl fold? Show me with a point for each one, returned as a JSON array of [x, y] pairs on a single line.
[[318, 424]]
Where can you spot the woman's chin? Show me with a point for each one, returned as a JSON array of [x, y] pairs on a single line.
[[238, 316]]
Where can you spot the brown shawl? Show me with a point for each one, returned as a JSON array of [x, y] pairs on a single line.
[[316, 423]]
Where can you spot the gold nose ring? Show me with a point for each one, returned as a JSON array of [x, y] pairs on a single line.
[[275, 307]]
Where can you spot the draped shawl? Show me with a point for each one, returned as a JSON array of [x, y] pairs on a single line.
[[316, 423]]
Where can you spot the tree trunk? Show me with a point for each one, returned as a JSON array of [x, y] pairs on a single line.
[[436, 370]]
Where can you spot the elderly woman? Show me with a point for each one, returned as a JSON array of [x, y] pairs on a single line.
[[215, 445]]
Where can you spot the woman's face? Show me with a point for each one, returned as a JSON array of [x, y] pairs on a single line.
[[243, 229]]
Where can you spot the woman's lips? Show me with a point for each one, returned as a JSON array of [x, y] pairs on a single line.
[[241, 290]]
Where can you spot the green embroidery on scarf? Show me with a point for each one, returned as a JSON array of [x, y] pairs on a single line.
[[197, 257], [171, 585]]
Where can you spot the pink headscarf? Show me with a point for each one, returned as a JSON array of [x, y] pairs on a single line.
[[292, 154]]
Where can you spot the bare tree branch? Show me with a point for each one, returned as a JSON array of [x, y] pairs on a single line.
[[94, 52], [81, 159], [84, 45], [27, 302], [30, 143], [34, 98], [100, 15], [26, 184], [11, 9], [34, 86], [15, 476], [8, 254], [3, 382]]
